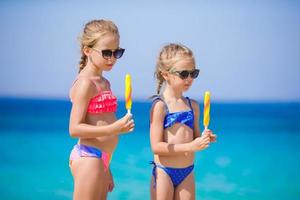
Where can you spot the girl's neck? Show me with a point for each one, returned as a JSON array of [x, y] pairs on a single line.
[[170, 93], [91, 70]]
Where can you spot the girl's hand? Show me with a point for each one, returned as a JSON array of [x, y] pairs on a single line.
[[212, 136], [110, 184], [125, 124], [200, 143]]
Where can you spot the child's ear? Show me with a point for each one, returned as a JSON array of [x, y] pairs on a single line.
[[86, 50], [165, 75]]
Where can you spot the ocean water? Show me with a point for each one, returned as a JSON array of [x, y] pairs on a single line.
[[257, 155]]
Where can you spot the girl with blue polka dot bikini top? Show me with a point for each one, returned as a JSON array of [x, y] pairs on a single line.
[[184, 117]]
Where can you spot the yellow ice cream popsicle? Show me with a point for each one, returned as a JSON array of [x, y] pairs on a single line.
[[206, 111], [128, 90]]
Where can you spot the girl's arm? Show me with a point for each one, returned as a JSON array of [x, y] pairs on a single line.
[[196, 109], [197, 131], [82, 93], [158, 145]]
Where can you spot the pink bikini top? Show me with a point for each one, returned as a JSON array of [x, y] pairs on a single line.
[[103, 102]]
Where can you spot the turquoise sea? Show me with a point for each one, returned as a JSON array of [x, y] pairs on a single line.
[[257, 155]]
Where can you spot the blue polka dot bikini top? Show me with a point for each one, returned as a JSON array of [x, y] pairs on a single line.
[[184, 117]]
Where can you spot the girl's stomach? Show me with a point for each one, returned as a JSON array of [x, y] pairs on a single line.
[[177, 134], [104, 143]]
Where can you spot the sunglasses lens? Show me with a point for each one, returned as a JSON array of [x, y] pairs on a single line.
[[195, 73], [184, 74], [118, 53], [107, 53]]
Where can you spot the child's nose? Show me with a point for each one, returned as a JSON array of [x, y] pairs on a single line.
[[190, 78]]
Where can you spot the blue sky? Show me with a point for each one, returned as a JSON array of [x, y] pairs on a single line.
[[246, 50]]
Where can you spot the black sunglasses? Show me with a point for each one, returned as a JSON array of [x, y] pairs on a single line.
[[107, 53], [184, 74]]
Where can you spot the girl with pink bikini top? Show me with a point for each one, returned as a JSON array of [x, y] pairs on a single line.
[[92, 119]]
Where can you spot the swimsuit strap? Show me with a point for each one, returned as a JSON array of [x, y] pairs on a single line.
[[190, 103], [153, 172], [158, 98], [92, 79], [155, 166]]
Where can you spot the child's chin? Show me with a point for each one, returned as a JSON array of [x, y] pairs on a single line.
[[107, 69], [186, 88]]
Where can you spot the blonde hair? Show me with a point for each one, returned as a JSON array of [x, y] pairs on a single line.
[[168, 56], [93, 31]]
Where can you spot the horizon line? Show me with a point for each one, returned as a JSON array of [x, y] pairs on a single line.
[[141, 100]]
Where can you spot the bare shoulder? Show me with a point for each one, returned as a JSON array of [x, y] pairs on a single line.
[[157, 105], [195, 104], [157, 111], [83, 88]]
